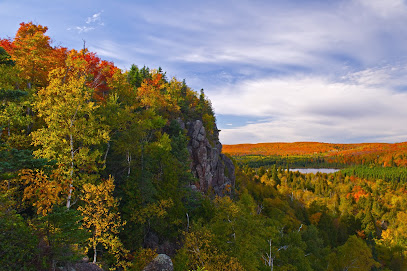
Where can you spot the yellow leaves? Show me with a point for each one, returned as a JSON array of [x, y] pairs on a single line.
[[144, 256], [72, 124], [101, 218], [396, 233], [199, 248], [202, 252], [44, 191], [156, 209], [227, 206], [387, 236], [266, 180]]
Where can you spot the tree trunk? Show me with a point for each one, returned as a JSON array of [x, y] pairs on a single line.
[[128, 162], [107, 151], [68, 200], [94, 254]]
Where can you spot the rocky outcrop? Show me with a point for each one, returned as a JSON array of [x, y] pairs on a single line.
[[160, 263], [213, 169]]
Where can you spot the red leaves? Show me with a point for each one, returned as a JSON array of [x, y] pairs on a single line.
[[99, 70], [8, 45]]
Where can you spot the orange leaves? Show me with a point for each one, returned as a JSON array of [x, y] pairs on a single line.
[[153, 94], [297, 148], [358, 193], [365, 153], [7, 44], [34, 55], [314, 218], [30, 29], [43, 190]]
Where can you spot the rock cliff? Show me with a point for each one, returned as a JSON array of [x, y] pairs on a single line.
[[213, 169]]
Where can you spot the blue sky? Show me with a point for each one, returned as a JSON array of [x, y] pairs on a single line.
[[275, 71]]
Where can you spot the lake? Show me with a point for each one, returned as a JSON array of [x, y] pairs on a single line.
[[315, 170]]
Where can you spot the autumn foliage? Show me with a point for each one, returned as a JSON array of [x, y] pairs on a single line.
[[364, 153], [95, 163]]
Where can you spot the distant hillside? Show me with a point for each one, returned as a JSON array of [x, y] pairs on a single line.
[[385, 154]]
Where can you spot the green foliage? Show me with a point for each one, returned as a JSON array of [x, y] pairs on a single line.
[[18, 243], [306, 161], [63, 236], [388, 174], [136, 76], [353, 255], [12, 160], [5, 58]]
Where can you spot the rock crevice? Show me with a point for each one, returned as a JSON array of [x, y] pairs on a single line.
[[213, 169]]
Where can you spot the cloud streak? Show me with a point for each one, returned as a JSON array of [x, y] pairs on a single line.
[[91, 23], [95, 18], [315, 109]]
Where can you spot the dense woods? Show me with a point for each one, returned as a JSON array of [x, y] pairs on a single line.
[[94, 163]]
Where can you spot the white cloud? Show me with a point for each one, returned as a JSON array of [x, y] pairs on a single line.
[[387, 8], [278, 36], [91, 23], [84, 29], [123, 55], [95, 18], [314, 109]]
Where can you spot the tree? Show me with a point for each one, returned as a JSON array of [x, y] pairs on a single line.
[[71, 126], [353, 255], [98, 72], [12, 102], [8, 71], [34, 55], [18, 245], [200, 252], [42, 190], [101, 218]]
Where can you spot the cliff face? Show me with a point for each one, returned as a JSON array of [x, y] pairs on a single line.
[[213, 169]]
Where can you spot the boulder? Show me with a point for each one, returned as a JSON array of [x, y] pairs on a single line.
[[160, 263], [85, 267]]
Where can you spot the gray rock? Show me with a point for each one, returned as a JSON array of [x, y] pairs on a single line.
[[86, 267], [160, 263], [212, 168]]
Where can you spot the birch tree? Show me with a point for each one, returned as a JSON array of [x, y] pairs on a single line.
[[72, 128], [101, 218]]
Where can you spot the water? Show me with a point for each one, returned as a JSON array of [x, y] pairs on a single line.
[[315, 170]]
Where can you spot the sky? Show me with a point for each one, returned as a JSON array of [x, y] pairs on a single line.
[[275, 71]]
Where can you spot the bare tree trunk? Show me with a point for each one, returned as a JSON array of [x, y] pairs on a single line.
[[94, 254], [128, 162], [107, 151], [187, 222], [68, 201]]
